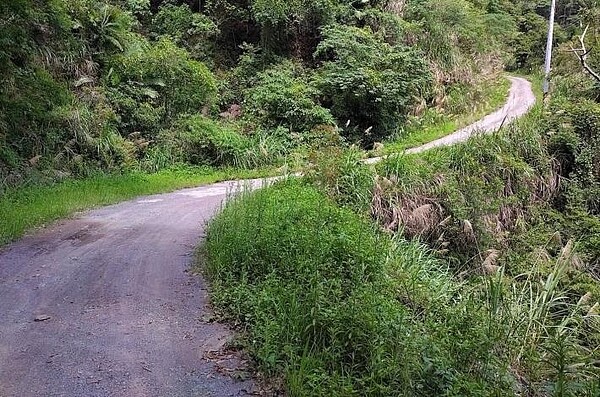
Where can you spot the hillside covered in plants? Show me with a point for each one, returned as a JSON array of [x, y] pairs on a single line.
[[114, 86], [470, 270]]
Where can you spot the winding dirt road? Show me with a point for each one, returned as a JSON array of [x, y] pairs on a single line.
[[520, 100], [102, 304]]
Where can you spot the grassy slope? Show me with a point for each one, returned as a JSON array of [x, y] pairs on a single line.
[[327, 302], [34, 206], [282, 266], [494, 94]]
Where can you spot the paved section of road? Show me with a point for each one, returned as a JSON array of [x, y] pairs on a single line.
[[520, 99], [103, 305]]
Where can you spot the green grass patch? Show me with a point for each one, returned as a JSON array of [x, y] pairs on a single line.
[[466, 106], [28, 207], [337, 308]]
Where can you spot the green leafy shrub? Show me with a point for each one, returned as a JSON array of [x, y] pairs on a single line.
[[529, 43], [367, 83], [138, 8], [95, 144], [33, 100], [282, 96], [190, 30], [236, 25], [199, 140], [156, 82], [104, 28], [138, 108], [293, 26], [586, 125], [233, 83], [574, 139]]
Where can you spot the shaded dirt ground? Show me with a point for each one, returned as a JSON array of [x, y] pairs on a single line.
[[103, 305]]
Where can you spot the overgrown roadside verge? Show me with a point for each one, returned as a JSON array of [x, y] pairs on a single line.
[[481, 280], [333, 307]]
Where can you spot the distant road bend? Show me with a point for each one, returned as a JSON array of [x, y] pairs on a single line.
[[520, 100], [103, 304]]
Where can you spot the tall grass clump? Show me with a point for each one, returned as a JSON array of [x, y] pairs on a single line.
[[334, 307], [199, 140], [340, 173], [553, 337], [468, 200]]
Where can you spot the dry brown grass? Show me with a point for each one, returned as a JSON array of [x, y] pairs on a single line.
[[489, 266], [483, 229], [414, 214], [396, 7]]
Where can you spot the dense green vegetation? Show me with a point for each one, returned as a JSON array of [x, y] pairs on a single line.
[[340, 308], [464, 271], [481, 279], [470, 270], [122, 85]]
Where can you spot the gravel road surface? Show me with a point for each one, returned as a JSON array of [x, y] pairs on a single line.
[[520, 99], [103, 305]]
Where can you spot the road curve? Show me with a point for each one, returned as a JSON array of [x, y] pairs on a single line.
[[103, 305], [520, 100]]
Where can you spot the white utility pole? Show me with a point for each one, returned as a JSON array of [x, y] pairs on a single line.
[[548, 65]]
